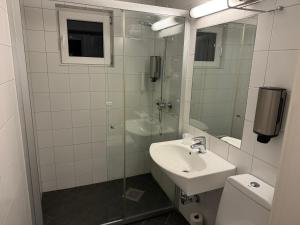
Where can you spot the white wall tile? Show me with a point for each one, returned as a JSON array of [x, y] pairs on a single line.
[[264, 30], [83, 172], [219, 147], [83, 69], [258, 71], [39, 82], [50, 20], [33, 3], [99, 170], [48, 172], [37, 62], [117, 65], [270, 152], [52, 41], [44, 138], [97, 82], [240, 159], [63, 137], [67, 182], [46, 156], [287, 2], [81, 118], [41, 102], [49, 185], [64, 171], [59, 83], [264, 171], [83, 152], [64, 154], [97, 69], [81, 135], [251, 104], [80, 100], [98, 100], [99, 150], [54, 64], [249, 138], [98, 117], [285, 35], [34, 18], [60, 101], [48, 4], [43, 121], [281, 69], [79, 83], [35, 40], [98, 134], [61, 119]]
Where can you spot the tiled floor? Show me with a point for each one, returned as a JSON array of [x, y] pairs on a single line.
[[172, 218], [101, 203]]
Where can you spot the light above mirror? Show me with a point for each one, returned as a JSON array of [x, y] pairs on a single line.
[[208, 8], [221, 75], [165, 23]]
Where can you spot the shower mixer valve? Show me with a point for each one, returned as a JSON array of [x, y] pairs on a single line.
[[163, 105]]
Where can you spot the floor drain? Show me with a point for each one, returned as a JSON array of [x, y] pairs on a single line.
[[134, 194]]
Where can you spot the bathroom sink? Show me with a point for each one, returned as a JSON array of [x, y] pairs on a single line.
[[192, 172]]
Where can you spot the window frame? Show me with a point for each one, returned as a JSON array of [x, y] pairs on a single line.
[[86, 16], [218, 49]]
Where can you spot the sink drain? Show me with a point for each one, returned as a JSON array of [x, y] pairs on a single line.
[[185, 171]]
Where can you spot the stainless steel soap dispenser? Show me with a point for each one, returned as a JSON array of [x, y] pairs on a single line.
[[155, 68], [269, 113]]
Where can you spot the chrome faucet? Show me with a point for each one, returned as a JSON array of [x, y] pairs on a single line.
[[200, 144]]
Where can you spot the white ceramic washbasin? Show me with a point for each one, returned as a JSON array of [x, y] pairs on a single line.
[[194, 173]]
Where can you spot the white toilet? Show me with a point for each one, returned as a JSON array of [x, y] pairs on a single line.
[[245, 200]]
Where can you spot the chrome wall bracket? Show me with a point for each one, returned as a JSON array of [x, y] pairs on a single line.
[[185, 199], [246, 3]]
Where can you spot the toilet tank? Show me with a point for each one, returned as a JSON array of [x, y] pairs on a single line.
[[245, 200]]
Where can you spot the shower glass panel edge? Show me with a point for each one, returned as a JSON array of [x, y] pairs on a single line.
[[145, 182]]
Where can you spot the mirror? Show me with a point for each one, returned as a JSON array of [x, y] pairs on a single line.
[[221, 75]]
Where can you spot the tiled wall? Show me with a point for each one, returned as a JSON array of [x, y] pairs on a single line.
[[275, 56], [80, 138], [220, 93], [276, 51], [14, 200]]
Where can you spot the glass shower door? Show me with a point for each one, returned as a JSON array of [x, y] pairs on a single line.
[[148, 191]]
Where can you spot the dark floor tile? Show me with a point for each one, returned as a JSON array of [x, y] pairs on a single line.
[[175, 218], [100, 203]]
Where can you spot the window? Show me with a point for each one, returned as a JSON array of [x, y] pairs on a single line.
[[208, 49], [85, 37]]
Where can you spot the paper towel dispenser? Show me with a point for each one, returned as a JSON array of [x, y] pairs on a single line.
[[269, 113], [155, 68]]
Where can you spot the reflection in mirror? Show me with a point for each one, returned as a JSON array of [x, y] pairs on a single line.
[[222, 67]]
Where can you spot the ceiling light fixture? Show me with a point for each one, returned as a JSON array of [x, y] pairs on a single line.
[[165, 23], [208, 8]]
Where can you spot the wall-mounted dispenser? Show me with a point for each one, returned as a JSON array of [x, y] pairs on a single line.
[[269, 113], [155, 68]]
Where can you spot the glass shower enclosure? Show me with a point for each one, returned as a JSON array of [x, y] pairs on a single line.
[[151, 112], [102, 173]]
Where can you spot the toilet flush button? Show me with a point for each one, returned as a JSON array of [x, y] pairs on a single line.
[[254, 184]]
